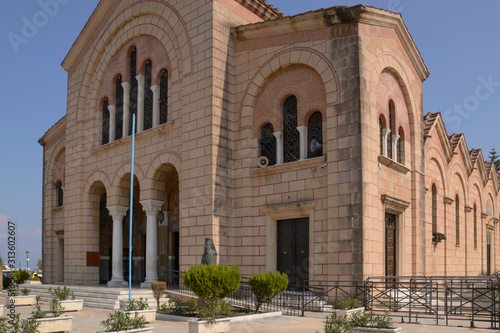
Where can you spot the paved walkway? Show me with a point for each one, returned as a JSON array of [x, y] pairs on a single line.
[[88, 321]]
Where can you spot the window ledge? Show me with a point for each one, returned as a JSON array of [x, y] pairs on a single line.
[[57, 209], [393, 164], [310, 162], [128, 139]]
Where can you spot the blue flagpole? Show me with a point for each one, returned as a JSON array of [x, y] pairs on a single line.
[[131, 206]]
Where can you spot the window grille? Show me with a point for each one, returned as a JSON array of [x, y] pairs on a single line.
[[400, 146], [315, 135], [105, 122], [60, 194], [148, 98], [268, 143], [389, 137], [434, 209], [163, 96], [119, 109], [133, 88], [291, 135], [381, 128]]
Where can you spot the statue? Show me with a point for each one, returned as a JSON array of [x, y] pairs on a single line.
[[210, 254]]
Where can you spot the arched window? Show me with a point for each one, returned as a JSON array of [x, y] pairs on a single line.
[[392, 121], [290, 133], [268, 143], [105, 122], [315, 135], [475, 226], [133, 88], [119, 109], [163, 96], [400, 145], [148, 97], [60, 193], [457, 220], [434, 210]]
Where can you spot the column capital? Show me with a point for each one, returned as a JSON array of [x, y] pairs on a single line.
[[140, 79], [151, 207], [155, 90], [468, 209], [126, 86], [117, 212], [111, 108], [278, 135]]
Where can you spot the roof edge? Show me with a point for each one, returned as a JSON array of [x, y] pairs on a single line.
[[52, 130]]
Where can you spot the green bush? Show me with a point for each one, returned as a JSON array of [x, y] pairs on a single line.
[[61, 294], [29, 325], [136, 305], [6, 280], [178, 306], [349, 303], [19, 276], [334, 324], [266, 286], [56, 307], [121, 321], [37, 313], [212, 281], [344, 324]]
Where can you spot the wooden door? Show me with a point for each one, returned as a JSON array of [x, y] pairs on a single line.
[[390, 244], [293, 251]]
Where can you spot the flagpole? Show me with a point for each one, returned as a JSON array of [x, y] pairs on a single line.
[[131, 206]]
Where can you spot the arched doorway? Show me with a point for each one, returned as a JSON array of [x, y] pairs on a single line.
[[167, 179], [105, 240]]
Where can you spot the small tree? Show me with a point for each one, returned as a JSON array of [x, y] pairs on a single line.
[[158, 289], [212, 281], [39, 264], [267, 286], [495, 159]]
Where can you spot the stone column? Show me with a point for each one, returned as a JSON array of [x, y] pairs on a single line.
[[303, 142], [151, 207], [111, 109], [140, 102], [156, 105], [395, 141], [279, 147], [385, 134], [117, 280], [126, 108]]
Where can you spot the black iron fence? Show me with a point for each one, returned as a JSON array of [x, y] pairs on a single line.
[[441, 298]]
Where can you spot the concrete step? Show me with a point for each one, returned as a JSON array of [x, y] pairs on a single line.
[[99, 297]]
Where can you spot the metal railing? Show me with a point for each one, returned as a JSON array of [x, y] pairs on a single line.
[[441, 298]]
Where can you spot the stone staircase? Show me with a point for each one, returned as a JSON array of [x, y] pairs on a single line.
[[98, 297]]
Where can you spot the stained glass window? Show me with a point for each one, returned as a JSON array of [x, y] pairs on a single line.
[[163, 96], [105, 122], [268, 143], [291, 135], [315, 135], [133, 88], [148, 98], [119, 109]]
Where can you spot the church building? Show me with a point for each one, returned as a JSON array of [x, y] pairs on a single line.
[[296, 143]]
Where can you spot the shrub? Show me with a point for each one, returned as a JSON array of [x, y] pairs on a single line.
[[37, 312], [334, 324], [212, 281], [61, 294], [29, 325], [137, 305], [25, 291], [6, 280], [121, 321], [214, 308], [20, 276], [177, 306], [56, 307], [349, 303], [266, 286], [158, 290]]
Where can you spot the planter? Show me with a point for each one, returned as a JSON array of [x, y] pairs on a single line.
[[348, 312], [202, 326], [137, 330], [72, 305], [21, 300], [32, 282], [375, 330], [55, 324], [149, 315]]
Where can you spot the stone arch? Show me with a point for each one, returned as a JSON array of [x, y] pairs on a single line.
[[149, 191], [475, 181], [116, 194], [433, 155], [297, 55], [139, 21]]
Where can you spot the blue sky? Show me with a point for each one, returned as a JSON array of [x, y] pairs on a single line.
[[458, 40]]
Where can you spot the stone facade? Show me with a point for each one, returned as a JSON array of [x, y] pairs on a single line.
[[208, 79]]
